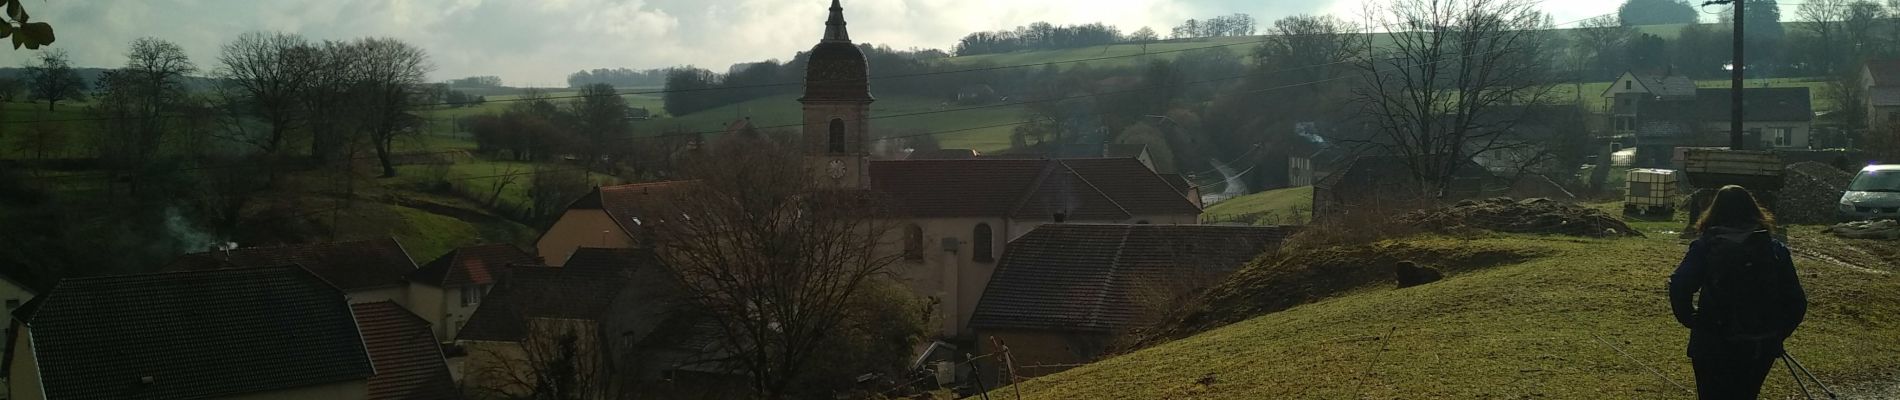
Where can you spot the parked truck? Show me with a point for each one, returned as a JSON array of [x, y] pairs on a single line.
[[1707, 170]]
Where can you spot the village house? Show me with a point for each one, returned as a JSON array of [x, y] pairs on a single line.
[[446, 291], [1064, 292], [367, 271], [239, 333], [15, 294], [1657, 113], [1880, 84], [959, 215], [955, 215], [607, 217], [617, 311], [408, 359]]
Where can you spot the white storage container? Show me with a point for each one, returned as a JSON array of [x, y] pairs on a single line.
[[1650, 190]]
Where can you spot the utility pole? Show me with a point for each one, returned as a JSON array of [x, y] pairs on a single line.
[[1735, 141]]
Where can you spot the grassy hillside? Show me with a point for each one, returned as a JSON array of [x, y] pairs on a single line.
[[1124, 53], [784, 112], [1580, 319], [1278, 206]]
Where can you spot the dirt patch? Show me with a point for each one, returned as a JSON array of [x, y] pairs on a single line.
[[1276, 284], [1534, 215], [1810, 192]]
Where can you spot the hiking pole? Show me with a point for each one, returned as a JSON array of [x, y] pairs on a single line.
[[1804, 370], [1797, 378]]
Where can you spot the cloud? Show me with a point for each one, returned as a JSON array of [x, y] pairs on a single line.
[[538, 42]]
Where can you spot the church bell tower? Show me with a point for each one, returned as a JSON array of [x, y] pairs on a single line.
[[837, 106]]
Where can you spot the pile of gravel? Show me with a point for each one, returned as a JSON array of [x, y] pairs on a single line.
[[1810, 193], [1535, 215]]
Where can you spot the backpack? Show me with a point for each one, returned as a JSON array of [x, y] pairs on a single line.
[[1743, 300]]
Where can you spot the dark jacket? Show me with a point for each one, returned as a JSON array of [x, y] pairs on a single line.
[[1689, 278]]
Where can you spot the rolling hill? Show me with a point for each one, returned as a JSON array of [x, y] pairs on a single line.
[[1560, 317]]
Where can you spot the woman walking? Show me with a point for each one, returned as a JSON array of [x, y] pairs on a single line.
[[1750, 297]]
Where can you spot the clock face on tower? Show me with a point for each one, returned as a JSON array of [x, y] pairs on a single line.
[[836, 169]]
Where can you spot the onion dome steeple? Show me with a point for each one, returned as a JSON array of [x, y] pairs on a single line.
[[835, 69]]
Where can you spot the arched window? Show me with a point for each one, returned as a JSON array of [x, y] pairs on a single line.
[[835, 141], [980, 244], [914, 242]]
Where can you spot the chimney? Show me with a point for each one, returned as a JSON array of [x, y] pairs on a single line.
[[1061, 216]]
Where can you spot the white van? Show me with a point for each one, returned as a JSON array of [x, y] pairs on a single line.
[[1874, 194]]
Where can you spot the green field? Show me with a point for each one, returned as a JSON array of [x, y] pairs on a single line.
[[1278, 206], [1115, 55], [971, 128], [1577, 319]]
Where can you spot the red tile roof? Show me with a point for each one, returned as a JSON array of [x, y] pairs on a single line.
[[1100, 188], [409, 363], [1092, 277], [628, 204], [473, 265], [351, 266]]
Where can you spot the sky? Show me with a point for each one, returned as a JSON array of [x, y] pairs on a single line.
[[539, 42]]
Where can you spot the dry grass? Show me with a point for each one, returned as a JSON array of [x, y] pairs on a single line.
[[1540, 328]]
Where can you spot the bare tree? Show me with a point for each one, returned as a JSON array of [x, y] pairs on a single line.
[[1860, 29], [327, 99], [52, 79], [140, 102], [264, 74], [392, 76], [775, 257], [1309, 48], [1600, 44], [555, 359], [1824, 19], [1445, 89], [600, 115]]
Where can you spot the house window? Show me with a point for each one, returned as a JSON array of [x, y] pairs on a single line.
[[835, 141], [12, 304], [980, 249], [1626, 85], [1784, 137], [471, 295], [914, 242]]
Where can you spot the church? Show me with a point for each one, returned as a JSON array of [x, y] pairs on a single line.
[[957, 215]]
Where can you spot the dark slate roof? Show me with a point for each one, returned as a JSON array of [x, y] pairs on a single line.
[[1076, 150], [1668, 85], [584, 289], [1885, 96], [1108, 188], [473, 265], [409, 363], [943, 154], [1758, 104], [196, 334], [1884, 72], [1179, 183], [1092, 277], [351, 266]]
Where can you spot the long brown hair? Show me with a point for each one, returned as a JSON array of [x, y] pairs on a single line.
[[1735, 206]]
